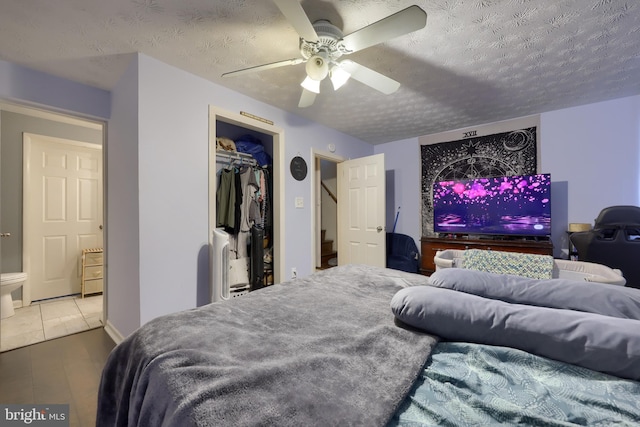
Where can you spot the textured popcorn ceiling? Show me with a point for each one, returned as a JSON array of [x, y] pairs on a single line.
[[477, 61]]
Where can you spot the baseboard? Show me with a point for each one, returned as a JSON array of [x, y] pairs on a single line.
[[115, 335]]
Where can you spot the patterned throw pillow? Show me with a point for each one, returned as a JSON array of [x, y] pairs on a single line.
[[518, 264]]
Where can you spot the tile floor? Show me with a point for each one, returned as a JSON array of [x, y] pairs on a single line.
[[53, 319]]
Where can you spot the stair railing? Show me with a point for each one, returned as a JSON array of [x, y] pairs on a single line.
[[333, 196]]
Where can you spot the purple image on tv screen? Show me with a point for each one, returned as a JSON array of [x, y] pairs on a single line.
[[508, 205]]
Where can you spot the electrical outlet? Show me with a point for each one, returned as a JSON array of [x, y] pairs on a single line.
[[294, 273]]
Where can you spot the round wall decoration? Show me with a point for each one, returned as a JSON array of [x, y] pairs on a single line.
[[298, 168]]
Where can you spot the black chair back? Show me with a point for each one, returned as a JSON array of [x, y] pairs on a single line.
[[614, 242]]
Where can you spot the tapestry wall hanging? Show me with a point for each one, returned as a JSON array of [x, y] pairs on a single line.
[[500, 154]]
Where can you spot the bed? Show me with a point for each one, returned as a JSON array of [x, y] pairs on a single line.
[[359, 345]]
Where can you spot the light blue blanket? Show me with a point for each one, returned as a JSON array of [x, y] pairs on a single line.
[[471, 385]]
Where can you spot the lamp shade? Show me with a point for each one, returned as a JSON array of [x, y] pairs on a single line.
[[311, 85], [339, 77], [317, 67], [579, 226]]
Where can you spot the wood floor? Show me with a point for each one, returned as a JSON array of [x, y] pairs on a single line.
[[64, 370]]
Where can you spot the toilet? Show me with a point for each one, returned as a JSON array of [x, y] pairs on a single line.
[[9, 282]]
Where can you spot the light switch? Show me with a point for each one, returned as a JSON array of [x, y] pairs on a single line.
[[299, 202]]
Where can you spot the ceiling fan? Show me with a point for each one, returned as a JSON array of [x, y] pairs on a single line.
[[322, 44]]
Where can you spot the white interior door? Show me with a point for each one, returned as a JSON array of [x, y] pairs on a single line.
[[62, 213], [361, 211]]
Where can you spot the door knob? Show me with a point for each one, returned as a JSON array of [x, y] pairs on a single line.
[[5, 234], [379, 228]]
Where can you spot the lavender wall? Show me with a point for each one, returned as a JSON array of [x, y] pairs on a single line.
[[402, 164], [122, 242], [172, 148], [35, 88], [592, 153], [157, 177], [157, 173]]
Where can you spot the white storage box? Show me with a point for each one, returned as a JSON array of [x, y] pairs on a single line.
[[562, 269]]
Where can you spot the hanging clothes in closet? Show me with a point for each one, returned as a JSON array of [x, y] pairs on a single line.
[[249, 211], [228, 198], [242, 200]]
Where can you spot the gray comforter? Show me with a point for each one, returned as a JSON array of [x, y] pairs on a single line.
[[323, 350]]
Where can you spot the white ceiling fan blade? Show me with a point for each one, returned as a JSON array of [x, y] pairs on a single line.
[[295, 14], [306, 99], [404, 22], [294, 61], [369, 77]]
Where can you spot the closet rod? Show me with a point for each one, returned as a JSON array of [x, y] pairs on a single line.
[[234, 155]]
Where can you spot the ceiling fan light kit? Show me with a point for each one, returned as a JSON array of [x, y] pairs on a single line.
[[322, 44], [338, 76], [311, 85], [317, 66], [308, 97]]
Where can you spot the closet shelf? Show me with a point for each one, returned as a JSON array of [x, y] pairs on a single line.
[[234, 155]]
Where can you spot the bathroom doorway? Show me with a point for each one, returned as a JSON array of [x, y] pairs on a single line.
[[50, 317], [62, 214]]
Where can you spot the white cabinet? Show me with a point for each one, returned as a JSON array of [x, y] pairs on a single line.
[[92, 271]]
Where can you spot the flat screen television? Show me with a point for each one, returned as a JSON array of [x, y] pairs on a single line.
[[516, 205]]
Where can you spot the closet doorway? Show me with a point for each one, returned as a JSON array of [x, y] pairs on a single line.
[[228, 122]]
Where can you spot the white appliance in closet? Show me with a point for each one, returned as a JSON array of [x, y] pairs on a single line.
[[220, 265], [230, 276]]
